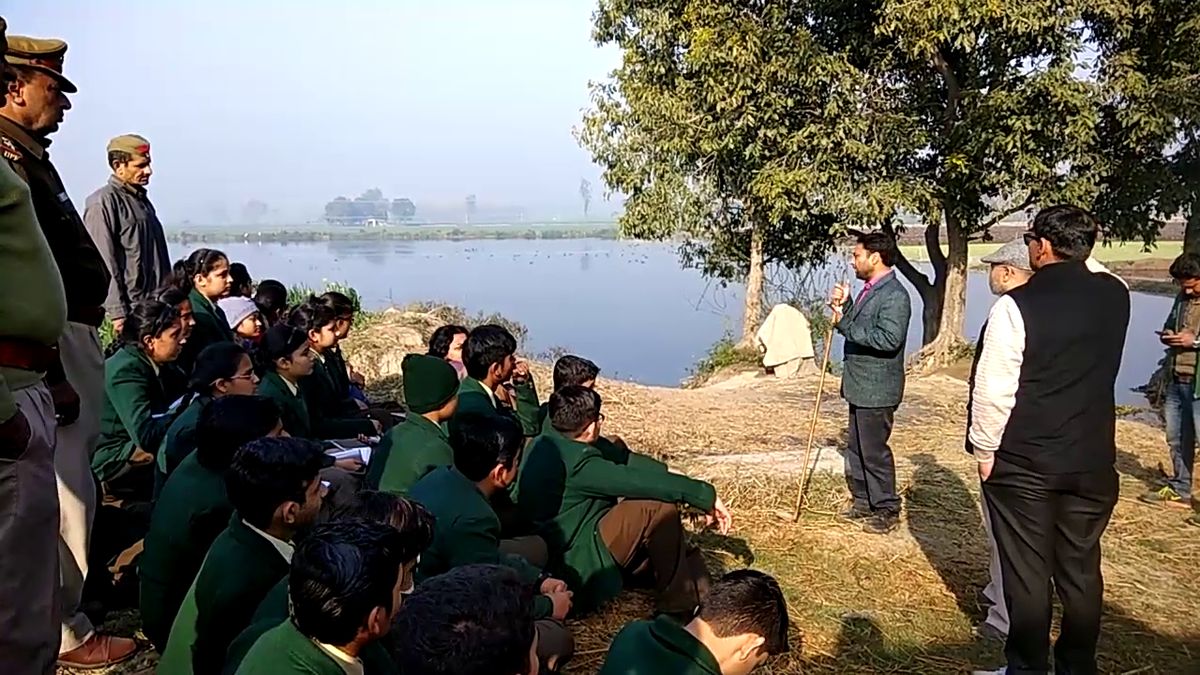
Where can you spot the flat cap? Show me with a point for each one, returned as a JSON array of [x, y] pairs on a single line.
[[1014, 254], [131, 144], [44, 54]]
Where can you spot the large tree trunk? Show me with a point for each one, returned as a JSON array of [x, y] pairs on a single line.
[[752, 318], [1191, 234], [930, 292], [947, 345]]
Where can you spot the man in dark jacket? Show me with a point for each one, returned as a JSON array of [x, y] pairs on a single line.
[[125, 227], [875, 325], [1043, 432]]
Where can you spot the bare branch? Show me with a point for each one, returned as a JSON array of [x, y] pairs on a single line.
[[999, 217], [953, 90], [910, 272]]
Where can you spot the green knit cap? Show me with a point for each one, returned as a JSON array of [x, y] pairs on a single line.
[[429, 382]]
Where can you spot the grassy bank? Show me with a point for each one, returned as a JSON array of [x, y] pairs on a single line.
[[310, 233]]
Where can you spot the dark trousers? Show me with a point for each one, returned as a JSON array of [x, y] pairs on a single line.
[[870, 466], [1048, 531], [646, 535]]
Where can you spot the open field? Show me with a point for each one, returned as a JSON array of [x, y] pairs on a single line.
[[901, 603], [1166, 250]]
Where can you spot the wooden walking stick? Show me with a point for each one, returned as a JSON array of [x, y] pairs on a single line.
[[812, 427]]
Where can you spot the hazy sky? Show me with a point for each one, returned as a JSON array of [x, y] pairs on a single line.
[[296, 102]]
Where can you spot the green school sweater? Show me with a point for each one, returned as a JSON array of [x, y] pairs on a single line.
[[474, 398], [658, 647], [211, 326], [272, 612], [180, 439], [240, 569], [133, 396], [409, 451], [293, 411], [38, 311], [329, 415], [466, 531], [568, 486], [191, 511]]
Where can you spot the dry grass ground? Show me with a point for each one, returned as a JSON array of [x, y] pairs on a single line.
[[901, 603]]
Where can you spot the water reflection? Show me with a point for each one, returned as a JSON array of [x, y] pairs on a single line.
[[628, 305]]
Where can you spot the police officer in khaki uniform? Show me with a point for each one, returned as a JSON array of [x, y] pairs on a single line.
[[34, 105]]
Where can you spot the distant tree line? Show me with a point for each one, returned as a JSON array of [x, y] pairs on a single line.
[[369, 208]]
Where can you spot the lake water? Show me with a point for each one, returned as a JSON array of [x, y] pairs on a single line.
[[626, 305]]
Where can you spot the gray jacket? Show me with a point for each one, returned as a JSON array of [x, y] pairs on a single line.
[[876, 331], [125, 227]]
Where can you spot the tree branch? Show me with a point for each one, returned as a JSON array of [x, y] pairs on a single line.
[[915, 276], [987, 224], [953, 90]]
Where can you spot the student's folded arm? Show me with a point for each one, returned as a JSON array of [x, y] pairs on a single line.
[[997, 376], [527, 407], [130, 395], [601, 478]]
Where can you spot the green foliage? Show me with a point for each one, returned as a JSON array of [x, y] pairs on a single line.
[[108, 334], [298, 293], [725, 353]]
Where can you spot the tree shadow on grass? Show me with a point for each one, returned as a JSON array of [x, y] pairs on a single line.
[[945, 519]]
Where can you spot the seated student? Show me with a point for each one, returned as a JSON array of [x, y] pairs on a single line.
[[134, 418], [325, 405], [180, 300], [491, 364], [222, 369], [240, 283], [473, 620], [194, 507], [487, 451], [415, 526], [571, 370], [347, 383], [244, 320], [271, 297], [742, 622], [603, 518], [274, 486], [204, 276], [447, 343], [345, 586], [286, 359], [419, 444]]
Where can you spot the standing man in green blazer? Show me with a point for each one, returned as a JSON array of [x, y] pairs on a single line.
[[601, 519], [875, 326], [275, 489], [345, 587], [742, 623], [419, 444]]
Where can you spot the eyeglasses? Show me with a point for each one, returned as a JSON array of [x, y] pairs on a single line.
[[245, 376], [1030, 237]]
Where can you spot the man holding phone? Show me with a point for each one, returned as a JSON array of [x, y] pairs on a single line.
[[1179, 334]]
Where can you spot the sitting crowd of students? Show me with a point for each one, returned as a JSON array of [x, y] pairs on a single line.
[[476, 526]]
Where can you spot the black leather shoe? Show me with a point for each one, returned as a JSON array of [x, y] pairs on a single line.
[[881, 522], [855, 512]]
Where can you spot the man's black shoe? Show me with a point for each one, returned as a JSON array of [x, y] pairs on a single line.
[[881, 522], [855, 512]]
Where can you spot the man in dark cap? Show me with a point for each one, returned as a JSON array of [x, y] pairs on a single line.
[[34, 104], [126, 229], [30, 323]]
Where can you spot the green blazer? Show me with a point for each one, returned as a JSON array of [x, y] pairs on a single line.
[[240, 569], [211, 326], [876, 331], [272, 612], [192, 510], [330, 415], [180, 439], [284, 650], [566, 487], [339, 376], [409, 451], [658, 647], [293, 411], [134, 410], [466, 531], [473, 397]]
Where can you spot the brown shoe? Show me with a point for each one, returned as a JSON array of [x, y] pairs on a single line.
[[100, 651]]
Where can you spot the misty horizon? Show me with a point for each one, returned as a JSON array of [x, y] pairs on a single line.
[[294, 104]]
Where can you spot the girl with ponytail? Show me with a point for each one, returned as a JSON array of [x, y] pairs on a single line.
[[204, 276], [222, 369], [135, 416]]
